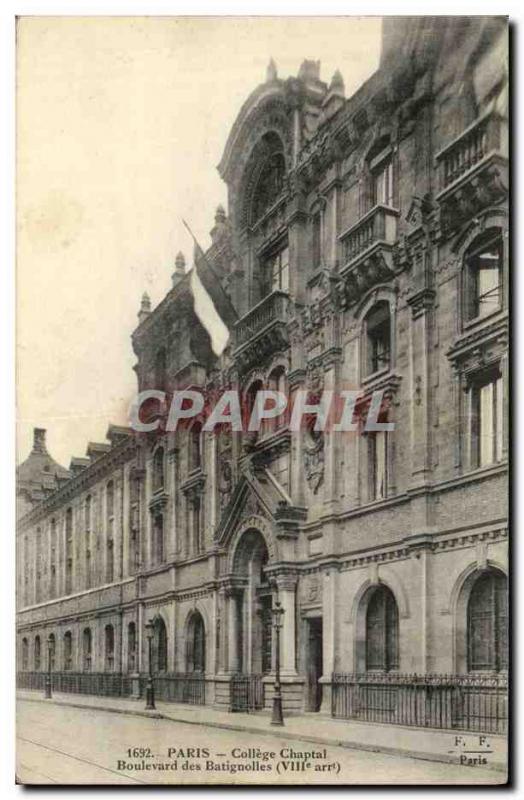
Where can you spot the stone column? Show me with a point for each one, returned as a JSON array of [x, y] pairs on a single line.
[[329, 634], [233, 619], [286, 594]]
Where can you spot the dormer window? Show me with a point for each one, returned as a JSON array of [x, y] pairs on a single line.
[[269, 186]]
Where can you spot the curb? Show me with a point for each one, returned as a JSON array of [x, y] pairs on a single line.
[[288, 735]]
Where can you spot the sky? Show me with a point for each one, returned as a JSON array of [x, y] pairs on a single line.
[[121, 122]]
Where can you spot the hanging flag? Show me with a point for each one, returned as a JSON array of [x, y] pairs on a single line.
[[208, 315], [212, 305]]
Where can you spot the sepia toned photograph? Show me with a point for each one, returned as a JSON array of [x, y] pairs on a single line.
[[262, 423]]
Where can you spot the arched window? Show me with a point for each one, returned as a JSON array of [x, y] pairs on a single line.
[[483, 275], [488, 623], [195, 446], [377, 343], [196, 644], [68, 651], [382, 631], [158, 469], [25, 655], [269, 185], [87, 647], [131, 647], [160, 641], [109, 648], [38, 654]]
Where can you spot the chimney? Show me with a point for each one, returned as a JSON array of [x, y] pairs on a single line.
[[39, 445]]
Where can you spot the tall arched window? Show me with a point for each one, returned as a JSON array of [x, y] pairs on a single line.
[[382, 631], [68, 651], [25, 655], [196, 644], [250, 397], [87, 647], [488, 623], [269, 185], [109, 648], [38, 654], [377, 344], [160, 645], [195, 446], [158, 469], [131, 647], [483, 275]]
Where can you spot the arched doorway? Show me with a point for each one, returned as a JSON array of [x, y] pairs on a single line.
[[252, 606]]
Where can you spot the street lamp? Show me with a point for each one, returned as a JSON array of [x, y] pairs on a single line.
[[276, 718], [150, 691], [47, 685]]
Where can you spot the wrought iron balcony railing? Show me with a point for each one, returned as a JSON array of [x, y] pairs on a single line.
[[378, 226], [271, 309]]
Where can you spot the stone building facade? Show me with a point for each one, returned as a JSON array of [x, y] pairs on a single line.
[[365, 246]]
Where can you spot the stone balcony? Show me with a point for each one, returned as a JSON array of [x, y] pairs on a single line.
[[473, 170], [263, 330], [367, 250]]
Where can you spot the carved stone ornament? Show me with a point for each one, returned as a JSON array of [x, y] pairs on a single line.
[[314, 459]]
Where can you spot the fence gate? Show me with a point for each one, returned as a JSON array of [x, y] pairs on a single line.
[[247, 693]]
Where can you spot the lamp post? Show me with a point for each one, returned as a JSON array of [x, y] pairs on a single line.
[[277, 718], [47, 685], [150, 690]]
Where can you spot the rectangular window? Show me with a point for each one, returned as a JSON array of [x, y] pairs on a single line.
[[484, 278], [486, 415], [276, 272], [383, 192], [378, 467]]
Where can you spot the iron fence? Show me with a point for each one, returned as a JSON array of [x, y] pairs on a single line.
[[465, 702], [178, 687], [104, 684], [247, 692]]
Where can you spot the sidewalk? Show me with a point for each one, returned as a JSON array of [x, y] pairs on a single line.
[[421, 743]]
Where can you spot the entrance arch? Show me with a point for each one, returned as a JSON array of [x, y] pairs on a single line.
[[251, 606]]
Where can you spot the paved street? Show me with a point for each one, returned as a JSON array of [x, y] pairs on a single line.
[[57, 744]]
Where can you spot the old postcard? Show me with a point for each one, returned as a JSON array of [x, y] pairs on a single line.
[[262, 356]]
